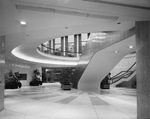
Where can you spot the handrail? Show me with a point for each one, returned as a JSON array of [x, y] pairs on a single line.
[[124, 74], [124, 71], [59, 51]]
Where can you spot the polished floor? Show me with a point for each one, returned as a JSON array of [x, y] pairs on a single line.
[[51, 102]]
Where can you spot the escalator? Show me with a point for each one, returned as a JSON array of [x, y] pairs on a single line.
[[123, 74]]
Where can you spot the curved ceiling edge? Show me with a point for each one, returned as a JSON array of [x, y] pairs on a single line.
[[18, 53]]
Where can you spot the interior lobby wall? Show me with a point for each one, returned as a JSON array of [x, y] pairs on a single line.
[[23, 69]]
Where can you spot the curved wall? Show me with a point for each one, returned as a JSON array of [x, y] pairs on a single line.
[[92, 47], [102, 63]]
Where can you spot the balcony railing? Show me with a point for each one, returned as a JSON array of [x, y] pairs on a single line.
[[57, 52]]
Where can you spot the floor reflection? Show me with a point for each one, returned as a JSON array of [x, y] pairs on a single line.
[[49, 101]]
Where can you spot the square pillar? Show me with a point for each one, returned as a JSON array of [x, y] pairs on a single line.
[[42, 49], [66, 45], [80, 43], [62, 46], [143, 69], [2, 71], [49, 46], [75, 45], [53, 46]]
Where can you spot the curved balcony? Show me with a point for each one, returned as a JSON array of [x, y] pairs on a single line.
[[66, 46], [50, 51]]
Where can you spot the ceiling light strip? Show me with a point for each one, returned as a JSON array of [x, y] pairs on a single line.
[[16, 52], [67, 12], [33, 8]]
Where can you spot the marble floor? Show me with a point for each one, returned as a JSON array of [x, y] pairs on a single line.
[[49, 101]]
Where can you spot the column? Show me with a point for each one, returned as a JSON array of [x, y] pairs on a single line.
[[49, 45], [53, 46], [2, 70], [62, 46], [75, 45], [80, 43], [66, 45], [42, 49], [88, 35], [143, 69]]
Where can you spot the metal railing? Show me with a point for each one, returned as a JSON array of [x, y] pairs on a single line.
[[122, 74], [58, 52]]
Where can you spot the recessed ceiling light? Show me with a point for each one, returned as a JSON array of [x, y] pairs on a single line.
[[116, 51], [131, 46], [23, 22]]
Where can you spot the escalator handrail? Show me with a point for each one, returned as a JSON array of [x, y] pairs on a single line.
[[124, 71], [119, 77]]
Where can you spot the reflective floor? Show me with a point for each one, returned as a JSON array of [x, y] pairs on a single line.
[[51, 102]]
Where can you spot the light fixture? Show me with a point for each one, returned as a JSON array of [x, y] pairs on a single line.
[[23, 22], [131, 46], [66, 27], [116, 51]]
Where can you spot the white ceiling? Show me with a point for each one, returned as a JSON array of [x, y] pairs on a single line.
[[77, 15]]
